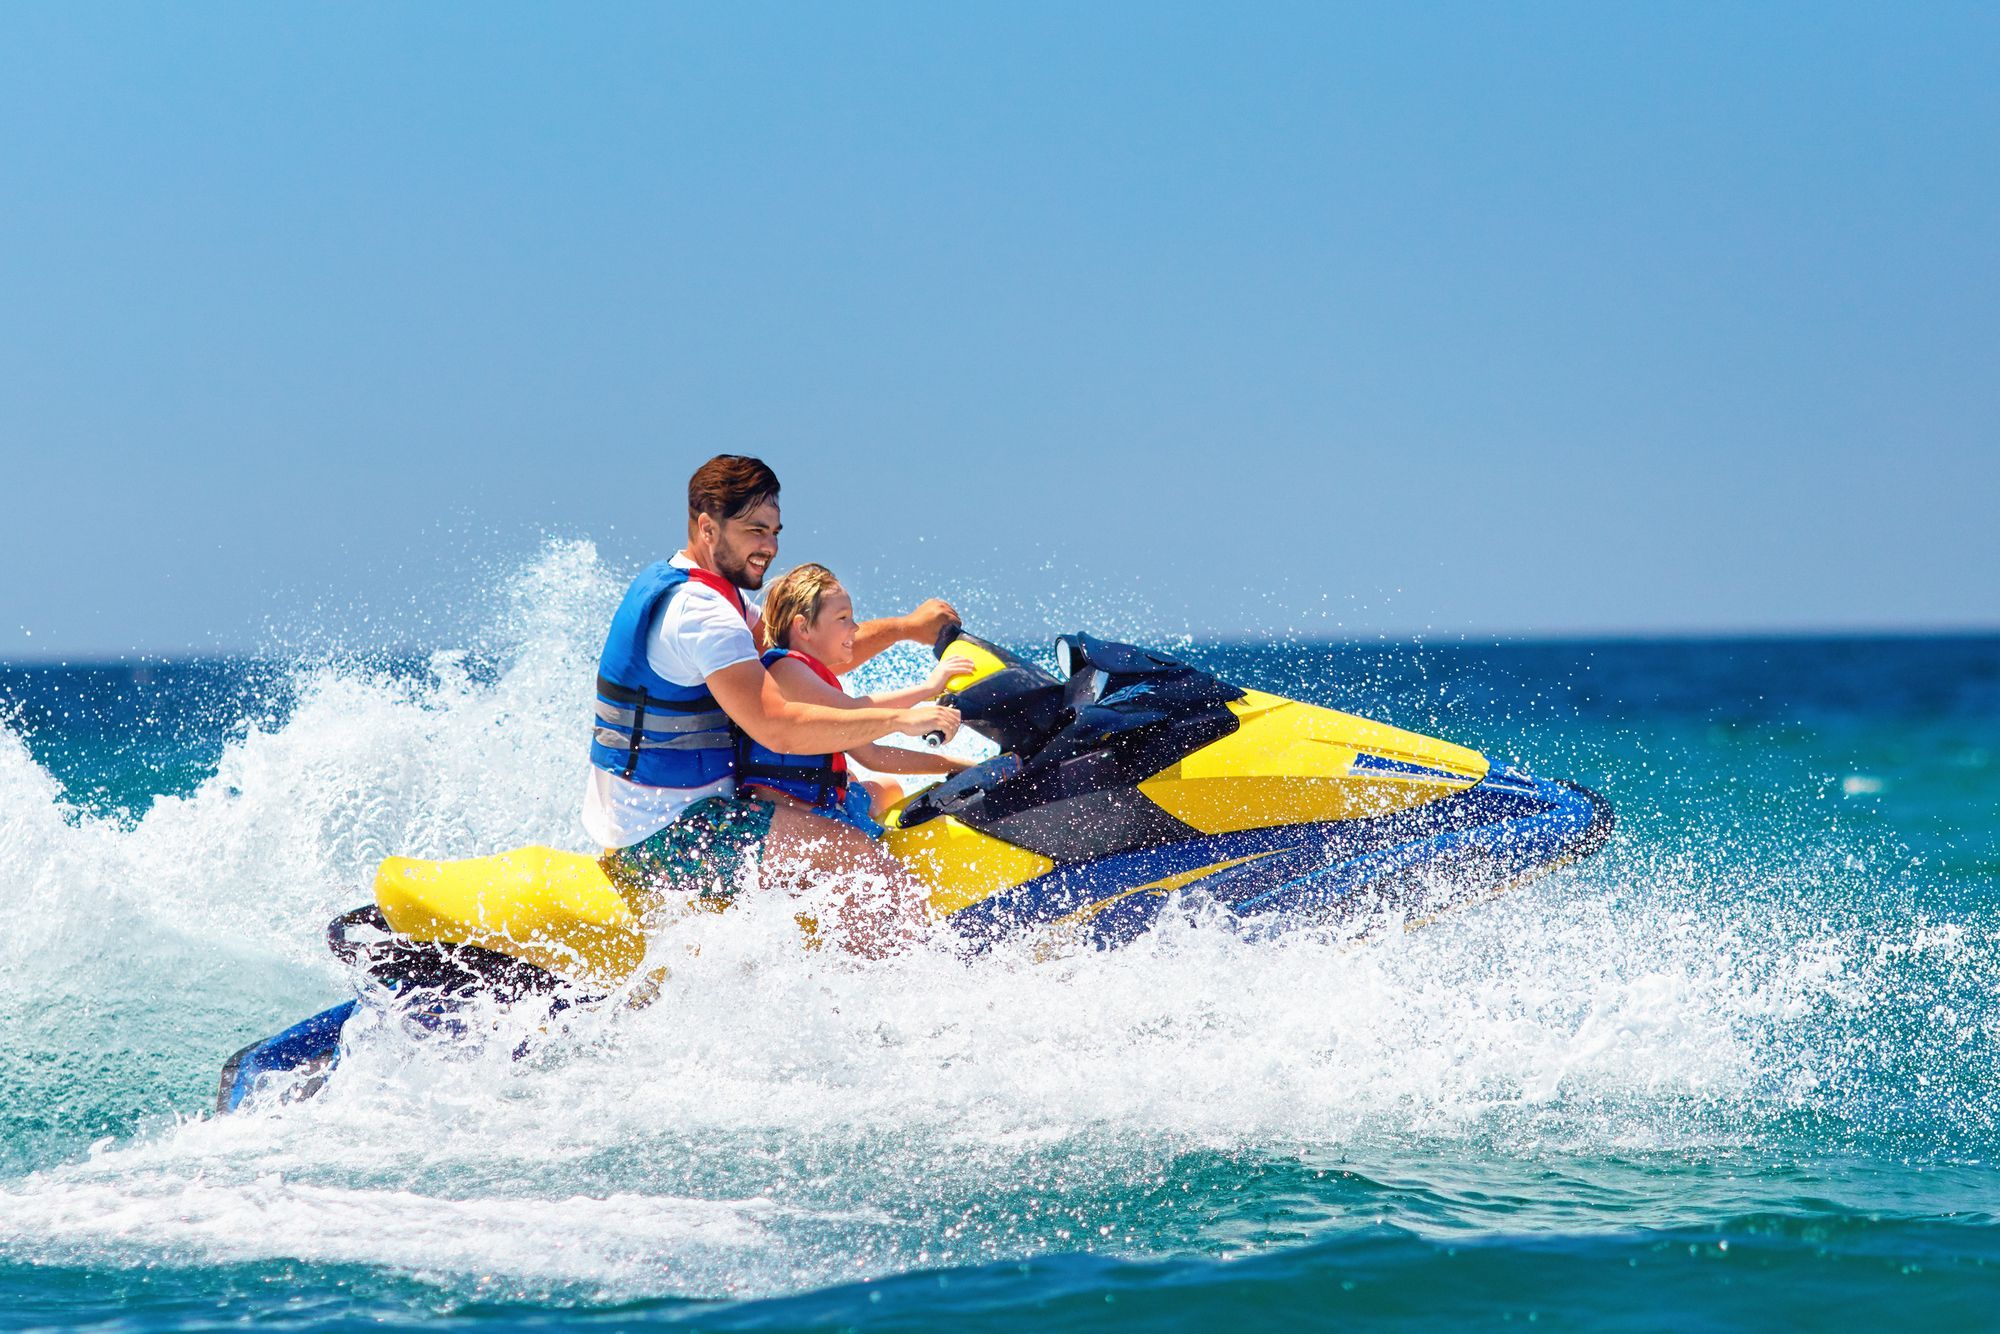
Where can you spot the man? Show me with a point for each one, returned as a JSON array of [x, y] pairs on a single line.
[[680, 667]]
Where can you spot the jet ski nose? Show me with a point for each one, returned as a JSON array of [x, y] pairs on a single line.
[[1506, 778], [1571, 819]]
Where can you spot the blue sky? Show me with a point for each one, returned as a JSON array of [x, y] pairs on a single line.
[[1441, 319]]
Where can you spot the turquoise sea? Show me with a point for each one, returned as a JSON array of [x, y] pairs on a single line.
[[1739, 1070]]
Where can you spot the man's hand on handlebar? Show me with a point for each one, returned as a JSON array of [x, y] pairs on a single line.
[[928, 621], [930, 721]]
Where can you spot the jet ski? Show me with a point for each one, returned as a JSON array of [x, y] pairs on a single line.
[[1126, 782]]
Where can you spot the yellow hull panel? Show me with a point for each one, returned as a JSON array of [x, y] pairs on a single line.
[[984, 664], [961, 865], [1292, 763], [553, 909]]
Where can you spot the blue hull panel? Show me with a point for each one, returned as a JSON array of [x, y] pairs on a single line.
[[297, 1059], [1508, 828]]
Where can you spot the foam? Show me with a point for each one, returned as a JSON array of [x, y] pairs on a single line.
[[598, 1245]]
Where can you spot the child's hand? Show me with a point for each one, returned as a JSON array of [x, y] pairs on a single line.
[[956, 665]]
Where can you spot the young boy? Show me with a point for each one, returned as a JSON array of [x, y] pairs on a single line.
[[809, 625]]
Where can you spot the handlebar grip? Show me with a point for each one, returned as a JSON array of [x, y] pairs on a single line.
[[934, 737]]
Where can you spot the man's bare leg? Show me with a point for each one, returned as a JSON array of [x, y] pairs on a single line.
[[885, 910]]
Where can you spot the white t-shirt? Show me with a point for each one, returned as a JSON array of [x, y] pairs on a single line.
[[694, 635]]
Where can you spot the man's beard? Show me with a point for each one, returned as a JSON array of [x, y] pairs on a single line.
[[736, 569]]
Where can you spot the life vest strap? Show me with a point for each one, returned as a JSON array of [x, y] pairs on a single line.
[[612, 716], [818, 668], [829, 783], [619, 739], [610, 690], [817, 774]]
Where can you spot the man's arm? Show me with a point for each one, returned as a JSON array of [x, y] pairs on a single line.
[[897, 760], [923, 626], [754, 703], [796, 682]]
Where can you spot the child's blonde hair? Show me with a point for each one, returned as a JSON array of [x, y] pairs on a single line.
[[797, 593]]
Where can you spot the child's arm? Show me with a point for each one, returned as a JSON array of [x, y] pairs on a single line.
[[954, 666], [895, 760]]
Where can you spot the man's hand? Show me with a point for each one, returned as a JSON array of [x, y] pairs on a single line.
[[930, 719], [928, 621]]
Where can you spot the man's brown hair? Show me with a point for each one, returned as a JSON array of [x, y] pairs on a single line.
[[799, 593], [729, 486]]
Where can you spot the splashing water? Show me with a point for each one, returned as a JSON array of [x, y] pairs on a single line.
[[1752, 1004]]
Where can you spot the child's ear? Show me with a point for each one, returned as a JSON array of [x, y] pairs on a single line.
[[798, 624]]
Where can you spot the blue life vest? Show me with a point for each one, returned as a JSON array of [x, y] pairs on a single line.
[[647, 728], [819, 779]]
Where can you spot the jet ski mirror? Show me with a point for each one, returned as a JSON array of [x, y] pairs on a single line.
[[1070, 655], [1086, 681]]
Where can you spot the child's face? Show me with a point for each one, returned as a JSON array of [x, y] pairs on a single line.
[[831, 637]]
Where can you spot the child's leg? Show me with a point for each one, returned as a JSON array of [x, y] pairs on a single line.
[[881, 796], [885, 908]]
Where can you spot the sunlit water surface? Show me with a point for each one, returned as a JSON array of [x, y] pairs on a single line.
[[1742, 1066]]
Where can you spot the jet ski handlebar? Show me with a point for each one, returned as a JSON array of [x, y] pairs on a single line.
[[946, 638], [1020, 706]]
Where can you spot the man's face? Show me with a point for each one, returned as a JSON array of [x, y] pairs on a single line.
[[745, 547]]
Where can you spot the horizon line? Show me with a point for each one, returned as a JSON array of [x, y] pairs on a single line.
[[1416, 639]]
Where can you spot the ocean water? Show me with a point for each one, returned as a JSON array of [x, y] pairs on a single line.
[[1741, 1068]]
